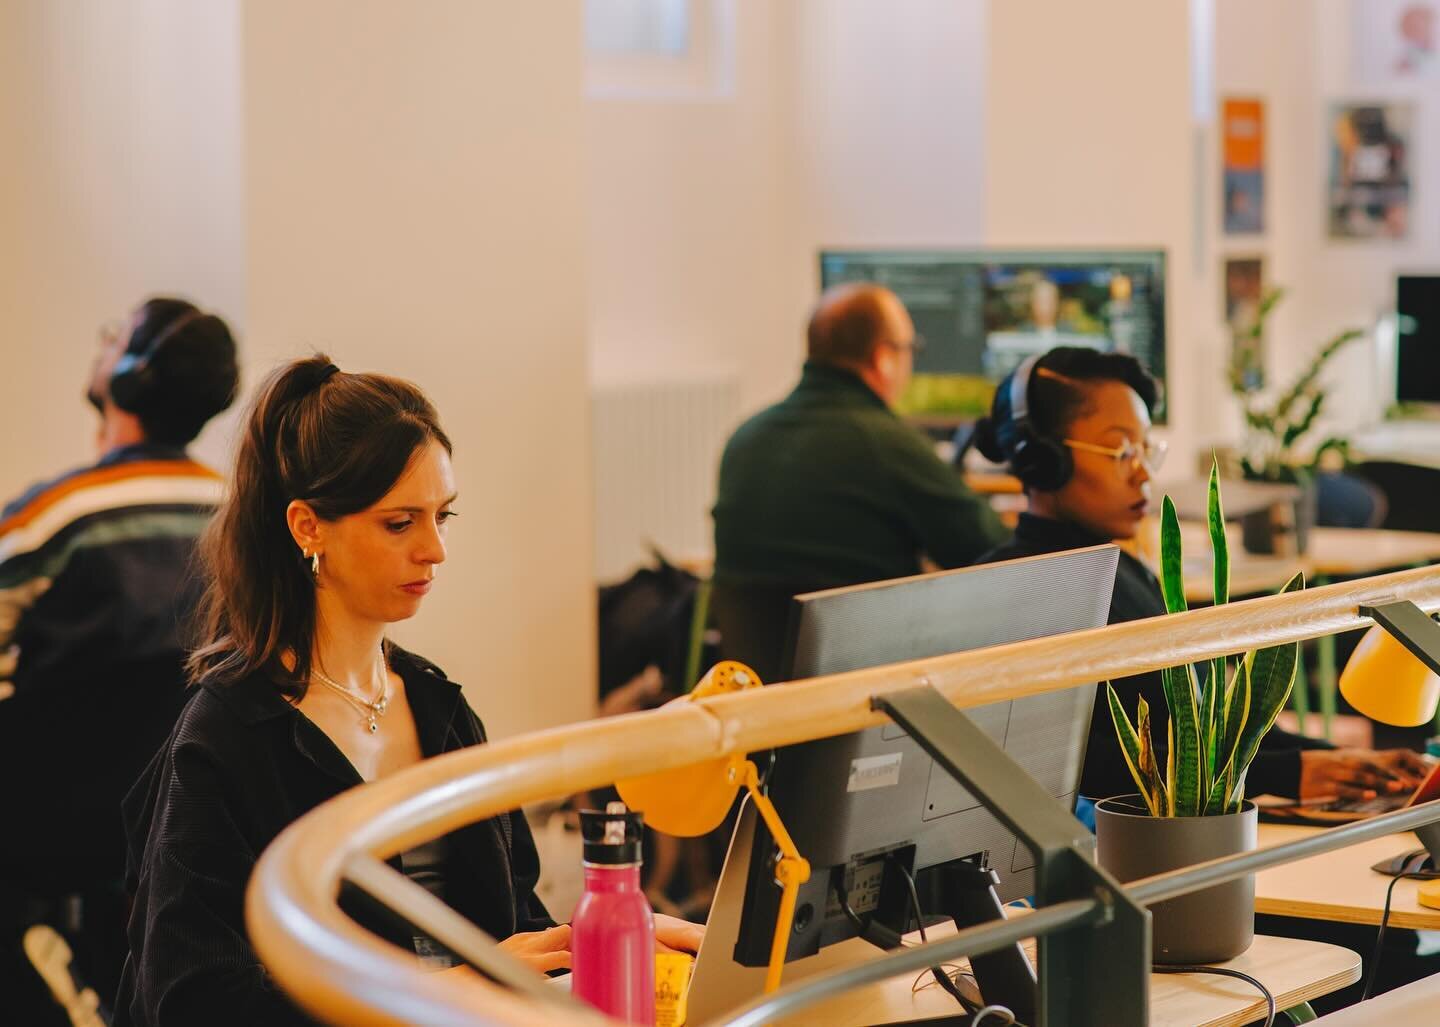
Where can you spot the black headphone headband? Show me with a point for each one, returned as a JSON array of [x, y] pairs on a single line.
[[132, 379], [1039, 462]]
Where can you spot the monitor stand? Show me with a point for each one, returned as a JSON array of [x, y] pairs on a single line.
[[965, 891], [1423, 864]]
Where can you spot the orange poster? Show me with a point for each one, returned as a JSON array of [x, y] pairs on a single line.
[[1243, 138]]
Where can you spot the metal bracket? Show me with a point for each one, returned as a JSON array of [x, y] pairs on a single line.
[[1090, 978], [1411, 627]]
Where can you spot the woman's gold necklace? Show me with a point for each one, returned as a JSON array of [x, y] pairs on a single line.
[[371, 711]]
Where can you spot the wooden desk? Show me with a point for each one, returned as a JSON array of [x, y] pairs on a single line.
[[1414, 1005], [1340, 885], [1294, 971], [1331, 553]]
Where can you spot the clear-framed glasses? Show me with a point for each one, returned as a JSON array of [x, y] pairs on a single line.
[[1150, 452]]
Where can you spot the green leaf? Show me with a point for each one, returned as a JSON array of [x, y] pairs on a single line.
[[1211, 700], [1271, 674], [1237, 791], [1130, 742], [1170, 767], [1172, 564], [1219, 544], [1185, 750], [1154, 789], [1234, 711]]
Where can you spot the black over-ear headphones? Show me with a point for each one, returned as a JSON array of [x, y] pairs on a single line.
[[1039, 462], [133, 379]]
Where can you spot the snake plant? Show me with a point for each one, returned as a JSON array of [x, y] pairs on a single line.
[[1215, 724]]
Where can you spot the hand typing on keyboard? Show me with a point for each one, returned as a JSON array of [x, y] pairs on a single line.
[[1360, 773]]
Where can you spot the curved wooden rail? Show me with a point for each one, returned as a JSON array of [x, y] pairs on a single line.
[[342, 974]]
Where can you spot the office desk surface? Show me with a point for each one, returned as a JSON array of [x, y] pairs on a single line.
[[1414, 1005], [1331, 553], [1340, 885], [1294, 971]]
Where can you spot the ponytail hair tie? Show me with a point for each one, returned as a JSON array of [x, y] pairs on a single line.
[[325, 374]]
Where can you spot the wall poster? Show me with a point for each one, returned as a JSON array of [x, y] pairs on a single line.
[[1244, 288], [1394, 40], [1369, 188], [1243, 128]]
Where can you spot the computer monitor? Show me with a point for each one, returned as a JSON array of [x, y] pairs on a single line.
[[852, 801], [982, 312], [1417, 339]]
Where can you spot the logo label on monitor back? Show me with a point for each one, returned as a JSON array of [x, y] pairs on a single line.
[[867, 772]]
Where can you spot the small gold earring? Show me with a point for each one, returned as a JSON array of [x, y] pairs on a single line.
[[315, 565]]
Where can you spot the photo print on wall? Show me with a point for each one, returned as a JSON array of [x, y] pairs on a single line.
[[1394, 41], [1244, 279], [1369, 188]]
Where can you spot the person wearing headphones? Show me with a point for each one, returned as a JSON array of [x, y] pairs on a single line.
[[94, 590], [1073, 425]]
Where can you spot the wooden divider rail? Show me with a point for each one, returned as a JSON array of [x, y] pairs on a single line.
[[342, 974]]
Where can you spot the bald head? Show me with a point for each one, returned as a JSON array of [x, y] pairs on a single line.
[[864, 328]]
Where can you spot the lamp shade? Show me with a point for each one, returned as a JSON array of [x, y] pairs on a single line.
[[693, 800], [1384, 681]]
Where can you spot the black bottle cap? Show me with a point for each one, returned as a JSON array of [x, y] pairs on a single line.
[[611, 838]]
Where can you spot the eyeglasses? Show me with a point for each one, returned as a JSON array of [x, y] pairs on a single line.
[[915, 345], [1151, 452]]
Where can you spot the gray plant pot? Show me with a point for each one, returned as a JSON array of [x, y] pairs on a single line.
[[1283, 528], [1203, 927]]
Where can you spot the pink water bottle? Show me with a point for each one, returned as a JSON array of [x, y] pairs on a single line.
[[612, 935]]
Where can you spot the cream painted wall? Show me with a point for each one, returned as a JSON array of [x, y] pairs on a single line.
[[1089, 142], [690, 248], [121, 179], [414, 194], [850, 123], [890, 123]]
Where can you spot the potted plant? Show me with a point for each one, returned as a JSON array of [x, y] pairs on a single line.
[[1194, 807], [1275, 429]]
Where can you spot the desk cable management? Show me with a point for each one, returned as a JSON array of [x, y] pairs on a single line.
[[1221, 971], [979, 1014], [1371, 976]]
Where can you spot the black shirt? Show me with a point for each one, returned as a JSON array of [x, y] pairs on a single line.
[[829, 487], [240, 766], [1137, 595]]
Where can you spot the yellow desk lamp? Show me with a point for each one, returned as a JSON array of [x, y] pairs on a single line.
[[1391, 677], [1384, 681], [693, 800]]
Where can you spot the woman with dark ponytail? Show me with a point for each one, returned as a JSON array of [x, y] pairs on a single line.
[[333, 528]]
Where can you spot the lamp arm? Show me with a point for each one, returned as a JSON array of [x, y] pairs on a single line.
[[791, 871], [1411, 627]]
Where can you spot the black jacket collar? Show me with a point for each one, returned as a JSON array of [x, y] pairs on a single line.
[[1042, 534], [433, 697]]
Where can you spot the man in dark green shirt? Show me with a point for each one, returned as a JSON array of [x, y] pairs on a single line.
[[830, 487]]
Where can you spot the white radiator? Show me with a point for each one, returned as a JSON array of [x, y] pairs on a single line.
[[657, 452]]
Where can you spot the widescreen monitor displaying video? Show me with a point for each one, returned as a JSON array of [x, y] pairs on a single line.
[[982, 312]]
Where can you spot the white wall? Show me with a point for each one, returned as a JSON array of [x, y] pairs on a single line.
[[890, 123], [121, 178], [414, 200], [689, 224], [1089, 142]]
